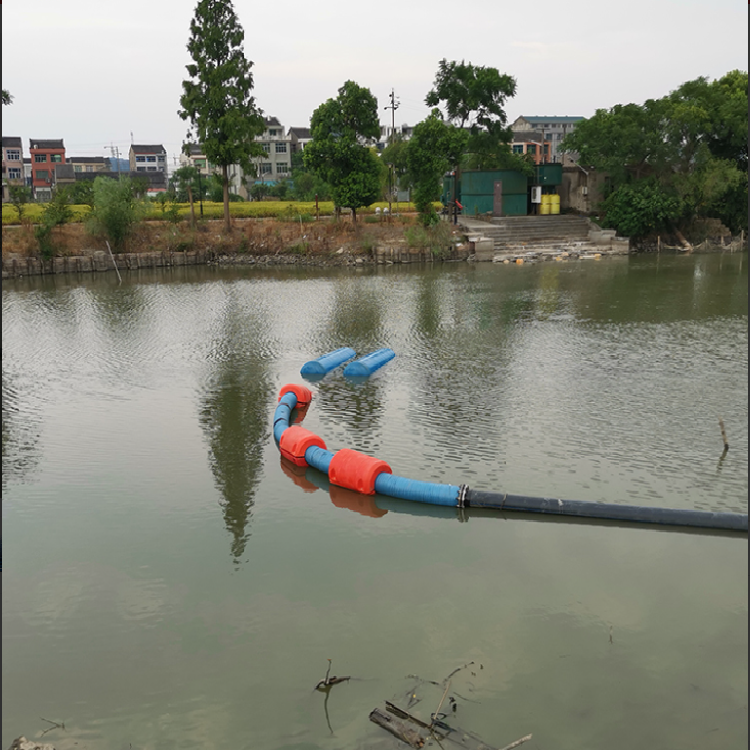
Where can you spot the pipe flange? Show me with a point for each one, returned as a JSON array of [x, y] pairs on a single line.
[[462, 490]]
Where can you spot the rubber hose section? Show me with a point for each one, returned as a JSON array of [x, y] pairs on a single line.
[[583, 509]]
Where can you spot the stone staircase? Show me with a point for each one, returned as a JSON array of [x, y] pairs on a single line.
[[519, 236]]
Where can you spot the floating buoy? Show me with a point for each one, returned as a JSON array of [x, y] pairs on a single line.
[[356, 471], [327, 362], [365, 366]]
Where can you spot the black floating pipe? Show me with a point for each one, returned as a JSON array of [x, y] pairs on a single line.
[[583, 509]]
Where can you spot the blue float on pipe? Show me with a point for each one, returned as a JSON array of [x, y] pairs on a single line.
[[367, 365], [283, 414], [413, 489], [318, 458], [327, 362]]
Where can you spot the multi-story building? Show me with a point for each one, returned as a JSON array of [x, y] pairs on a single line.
[[45, 155], [299, 138], [148, 158], [197, 159], [534, 143], [276, 163], [551, 129], [89, 163], [12, 163]]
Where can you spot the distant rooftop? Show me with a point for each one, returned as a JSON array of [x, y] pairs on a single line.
[[152, 149], [46, 144], [272, 122], [300, 132], [539, 119], [12, 141]]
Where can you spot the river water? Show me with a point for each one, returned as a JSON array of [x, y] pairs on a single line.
[[168, 583]]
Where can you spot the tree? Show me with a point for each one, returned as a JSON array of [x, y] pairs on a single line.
[[337, 153], [433, 148], [690, 146], [19, 196], [7, 98], [216, 100], [117, 209], [185, 181], [474, 97], [81, 193]]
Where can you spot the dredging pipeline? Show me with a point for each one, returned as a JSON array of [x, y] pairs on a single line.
[[367, 475]]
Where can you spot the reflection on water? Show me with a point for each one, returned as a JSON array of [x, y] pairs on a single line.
[[234, 414], [137, 441]]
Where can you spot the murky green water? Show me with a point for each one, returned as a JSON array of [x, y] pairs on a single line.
[[168, 584]]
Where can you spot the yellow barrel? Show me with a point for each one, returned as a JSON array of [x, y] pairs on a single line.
[[546, 199], [544, 206], [555, 204]]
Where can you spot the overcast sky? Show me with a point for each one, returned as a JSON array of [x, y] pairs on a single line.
[[93, 73]]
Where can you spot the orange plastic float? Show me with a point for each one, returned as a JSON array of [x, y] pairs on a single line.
[[302, 392], [355, 470], [295, 441]]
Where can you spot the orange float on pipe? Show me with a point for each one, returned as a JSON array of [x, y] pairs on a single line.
[[295, 441], [303, 393], [356, 471]]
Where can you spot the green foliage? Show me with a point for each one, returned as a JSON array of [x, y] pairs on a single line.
[[7, 98], [260, 190], [82, 193], [690, 146], [335, 154], [117, 210], [433, 148], [641, 209], [55, 213], [216, 99], [19, 196], [189, 177], [474, 96], [436, 238]]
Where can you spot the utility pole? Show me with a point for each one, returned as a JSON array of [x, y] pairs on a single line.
[[115, 151], [394, 105]]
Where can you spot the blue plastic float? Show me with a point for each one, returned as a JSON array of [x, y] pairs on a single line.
[[367, 475], [327, 362], [366, 366]]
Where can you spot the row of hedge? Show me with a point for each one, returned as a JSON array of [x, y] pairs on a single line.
[[249, 210]]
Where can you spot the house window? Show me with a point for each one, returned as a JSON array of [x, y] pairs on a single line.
[[161, 159], [56, 158], [281, 148], [77, 168], [89, 169], [40, 158], [42, 174], [12, 154], [14, 174], [140, 169], [272, 132], [151, 159], [200, 163], [151, 169], [518, 149], [140, 158], [266, 147], [531, 148], [282, 168], [265, 168]]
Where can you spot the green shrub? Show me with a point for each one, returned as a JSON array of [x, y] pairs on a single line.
[[117, 210]]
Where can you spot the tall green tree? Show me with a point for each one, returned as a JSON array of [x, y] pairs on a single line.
[[337, 153], [473, 97], [433, 148], [216, 99]]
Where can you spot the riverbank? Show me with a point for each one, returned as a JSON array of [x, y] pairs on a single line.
[[263, 241]]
